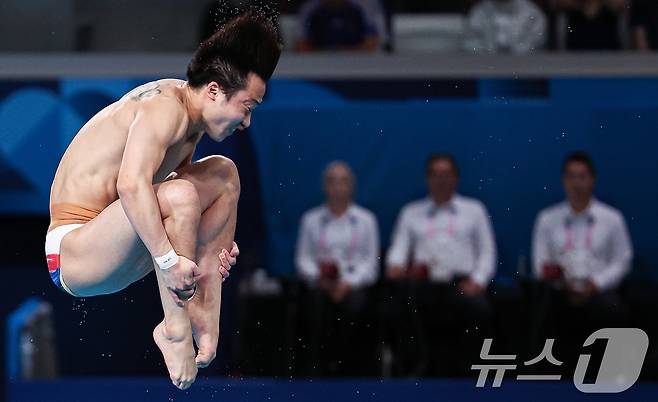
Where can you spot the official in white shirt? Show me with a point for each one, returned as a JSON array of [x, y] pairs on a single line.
[[449, 234], [582, 241], [339, 233], [582, 250], [447, 239], [337, 257]]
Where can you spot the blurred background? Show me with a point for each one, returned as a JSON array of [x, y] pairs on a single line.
[[496, 179]]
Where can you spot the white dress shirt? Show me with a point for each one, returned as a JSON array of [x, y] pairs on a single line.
[[455, 238], [593, 244], [516, 26], [351, 241]]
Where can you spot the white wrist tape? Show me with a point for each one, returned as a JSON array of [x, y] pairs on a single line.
[[168, 260]]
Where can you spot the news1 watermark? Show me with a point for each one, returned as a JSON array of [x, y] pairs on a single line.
[[620, 366]]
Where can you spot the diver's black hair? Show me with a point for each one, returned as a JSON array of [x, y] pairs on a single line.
[[247, 43]]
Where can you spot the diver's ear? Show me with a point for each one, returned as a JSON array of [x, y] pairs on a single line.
[[213, 90]]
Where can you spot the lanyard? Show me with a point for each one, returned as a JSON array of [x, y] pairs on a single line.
[[431, 225], [324, 246], [568, 234]]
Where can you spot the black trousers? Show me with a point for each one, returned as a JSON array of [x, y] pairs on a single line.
[[433, 328], [571, 323], [339, 338]]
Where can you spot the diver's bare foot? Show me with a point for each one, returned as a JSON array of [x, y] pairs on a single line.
[[178, 353], [205, 328], [203, 312], [207, 344]]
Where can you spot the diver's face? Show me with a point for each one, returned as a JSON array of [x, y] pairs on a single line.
[[222, 116]]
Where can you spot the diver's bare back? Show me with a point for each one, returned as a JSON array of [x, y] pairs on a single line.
[[88, 172]]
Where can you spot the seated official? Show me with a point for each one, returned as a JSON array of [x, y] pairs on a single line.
[[582, 250], [337, 258], [444, 245]]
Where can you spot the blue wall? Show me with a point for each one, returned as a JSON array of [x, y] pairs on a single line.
[[509, 143], [509, 137]]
